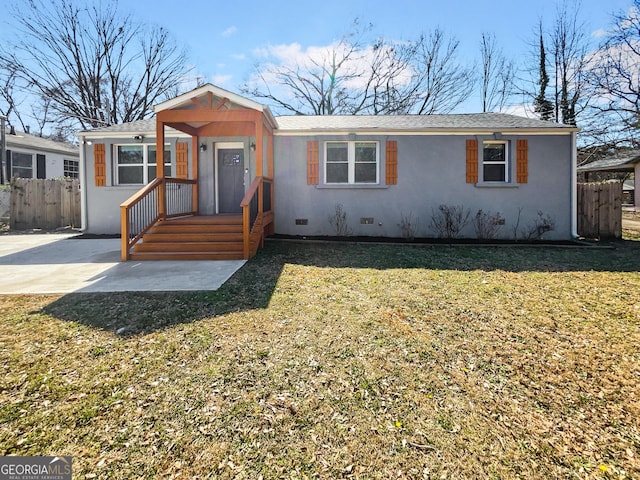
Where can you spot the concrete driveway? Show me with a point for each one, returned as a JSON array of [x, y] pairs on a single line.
[[64, 263]]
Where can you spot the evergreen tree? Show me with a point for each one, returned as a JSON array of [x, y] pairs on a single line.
[[541, 105]]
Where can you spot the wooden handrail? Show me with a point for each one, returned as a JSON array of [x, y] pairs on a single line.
[[256, 188], [140, 194], [159, 213], [253, 188]]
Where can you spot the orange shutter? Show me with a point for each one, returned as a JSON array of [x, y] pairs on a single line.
[[312, 162], [392, 162], [522, 161], [472, 161], [100, 164], [182, 160]]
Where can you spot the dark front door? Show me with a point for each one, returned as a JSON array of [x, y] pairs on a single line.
[[230, 179]]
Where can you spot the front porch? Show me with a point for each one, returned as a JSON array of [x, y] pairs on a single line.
[[184, 217]]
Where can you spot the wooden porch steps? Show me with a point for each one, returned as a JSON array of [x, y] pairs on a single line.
[[217, 237]]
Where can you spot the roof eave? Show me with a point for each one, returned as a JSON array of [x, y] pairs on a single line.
[[437, 130]]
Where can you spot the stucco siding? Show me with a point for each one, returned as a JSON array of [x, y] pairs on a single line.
[[102, 204], [431, 172]]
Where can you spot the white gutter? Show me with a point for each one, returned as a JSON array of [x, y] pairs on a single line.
[[3, 150], [574, 185]]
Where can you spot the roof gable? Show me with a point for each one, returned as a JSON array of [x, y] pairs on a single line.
[[209, 92]]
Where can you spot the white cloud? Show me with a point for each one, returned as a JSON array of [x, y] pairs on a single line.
[[601, 32], [238, 56], [229, 31], [220, 79], [520, 110], [291, 57]]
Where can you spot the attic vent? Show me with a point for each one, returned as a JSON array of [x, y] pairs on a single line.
[[302, 221], [366, 220]]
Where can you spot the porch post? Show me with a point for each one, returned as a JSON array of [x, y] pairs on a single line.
[[270, 155], [195, 158], [259, 147], [162, 201]]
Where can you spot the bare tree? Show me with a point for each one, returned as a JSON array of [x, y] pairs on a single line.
[[96, 65], [354, 76], [443, 82], [10, 99], [314, 86], [391, 82], [570, 49], [497, 74], [616, 79]]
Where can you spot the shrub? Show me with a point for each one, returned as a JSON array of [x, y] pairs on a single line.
[[449, 220], [487, 225], [542, 224], [408, 226], [339, 221]]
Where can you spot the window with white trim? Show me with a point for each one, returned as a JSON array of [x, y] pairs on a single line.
[[351, 162], [495, 161], [71, 168], [21, 164], [136, 164]]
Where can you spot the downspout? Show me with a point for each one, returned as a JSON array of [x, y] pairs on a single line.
[[83, 185], [3, 150], [574, 185]]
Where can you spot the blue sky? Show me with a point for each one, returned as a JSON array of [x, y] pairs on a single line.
[[223, 38]]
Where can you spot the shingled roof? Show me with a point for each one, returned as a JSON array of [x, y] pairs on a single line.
[[139, 127], [624, 163], [33, 142], [472, 122], [409, 123]]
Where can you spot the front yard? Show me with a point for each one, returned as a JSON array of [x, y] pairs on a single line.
[[340, 361]]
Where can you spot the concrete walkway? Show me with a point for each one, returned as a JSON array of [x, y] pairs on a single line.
[[65, 263]]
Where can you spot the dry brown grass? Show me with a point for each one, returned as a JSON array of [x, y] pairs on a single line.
[[340, 361]]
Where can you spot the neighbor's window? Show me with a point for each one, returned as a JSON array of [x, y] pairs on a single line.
[[495, 162], [71, 168], [21, 165], [136, 164], [351, 162]]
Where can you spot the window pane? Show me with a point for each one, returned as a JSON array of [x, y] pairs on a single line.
[[494, 173], [151, 172], [22, 172], [22, 160], [131, 175], [152, 155], [337, 173], [337, 152], [494, 152], [130, 154], [366, 152], [366, 173], [71, 168]]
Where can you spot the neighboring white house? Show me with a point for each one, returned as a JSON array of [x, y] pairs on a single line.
[[30, 156]]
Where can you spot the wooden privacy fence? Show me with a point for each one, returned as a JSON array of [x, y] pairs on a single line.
[[600, 210], [44, 203]]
